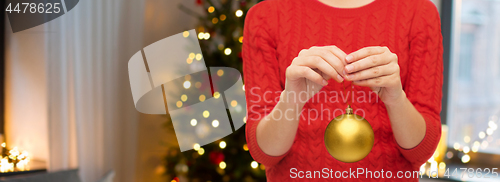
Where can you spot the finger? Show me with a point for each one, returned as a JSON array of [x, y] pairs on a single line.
[[381, 81], [341, 56], [320, 64], [365, 52], [329, 56], [338, 52], [373, 72], [294, 72], [312, 75], [333, 49], [367, 62]]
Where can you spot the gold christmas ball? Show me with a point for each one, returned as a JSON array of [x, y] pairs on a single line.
[[349, 137]]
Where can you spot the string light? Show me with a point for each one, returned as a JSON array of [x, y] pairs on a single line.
[[466, 149], [196, 146], [227, 51], [185, 34], [222, 144], [240, 39], [215, 123], [466, 139], [178, 104], [492, 126], [202, 98], [191, 55], [475, 148], [222, 17], [184, 98], [20, 160], [220, 72], [189, 61], [245, 147], [245, 119], [215, 20], [199, 56], [491, 123], [482, 134], [187, 84], [5, 166], [449, 154], [197, 84], [254, 164], [206, 114], [203, 35], [216, 95], [194, 122], [211, 9], [489, 131], [234, 103], [201, 151], [239, 13], [476, 143], [465, 158], [243, 87], [222, 165]]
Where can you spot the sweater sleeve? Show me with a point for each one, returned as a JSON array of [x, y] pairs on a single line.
[[425, 79], [261, 73]]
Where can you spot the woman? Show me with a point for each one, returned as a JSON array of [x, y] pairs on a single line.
[[388, 48]]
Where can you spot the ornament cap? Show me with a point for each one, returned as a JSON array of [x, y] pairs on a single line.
[[349, 110]]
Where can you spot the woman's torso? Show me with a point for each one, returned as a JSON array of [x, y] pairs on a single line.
[[306, 23]]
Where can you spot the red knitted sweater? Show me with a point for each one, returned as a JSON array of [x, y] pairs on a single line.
[[276, 30]]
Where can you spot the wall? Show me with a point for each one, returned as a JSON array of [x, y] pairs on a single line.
[[26, 92]]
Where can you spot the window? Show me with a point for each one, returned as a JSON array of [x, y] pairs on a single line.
[[466, 55], [473, 107]]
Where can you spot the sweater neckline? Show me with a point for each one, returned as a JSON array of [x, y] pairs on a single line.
[[347, 12]]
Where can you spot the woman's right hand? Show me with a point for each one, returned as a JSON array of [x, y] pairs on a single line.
[[310, 71]]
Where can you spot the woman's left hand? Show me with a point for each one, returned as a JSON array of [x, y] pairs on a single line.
[[376, 67]]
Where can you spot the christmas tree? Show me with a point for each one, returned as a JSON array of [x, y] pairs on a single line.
[[220, 34]]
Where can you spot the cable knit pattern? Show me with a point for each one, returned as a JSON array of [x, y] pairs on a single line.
[[275, 32]]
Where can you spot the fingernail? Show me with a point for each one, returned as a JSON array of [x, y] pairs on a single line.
[[340, 78], [325, 83], [348, 58], [349, 68], [344, 73], [348, 77]]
